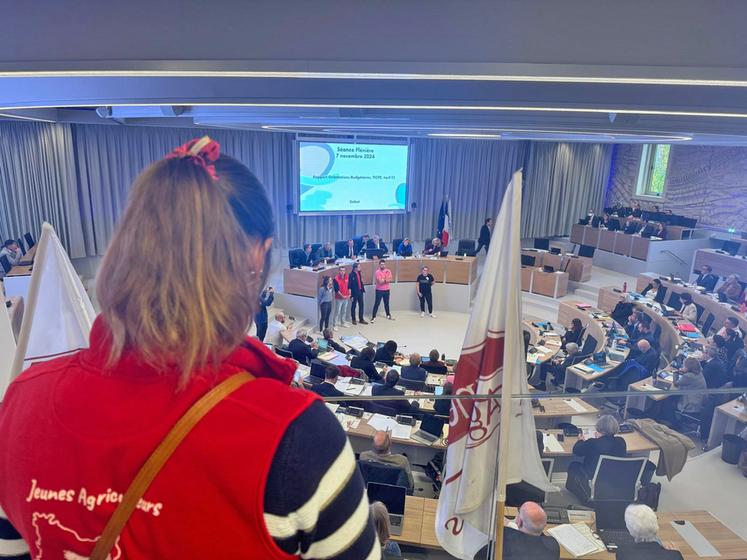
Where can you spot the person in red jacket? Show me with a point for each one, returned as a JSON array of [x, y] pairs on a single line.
[[251, 480]]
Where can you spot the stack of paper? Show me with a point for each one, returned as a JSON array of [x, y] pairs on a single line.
[[577, 539], [551, 443], [402, 431], [383, 423]]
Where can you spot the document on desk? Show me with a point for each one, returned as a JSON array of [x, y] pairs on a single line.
[[383, 423], [701, 545], [575, 405], [356, 342], [342, 384], [550, 443], [543, 349], [354, 389], [576, 539], [332, 406], [402, 431]]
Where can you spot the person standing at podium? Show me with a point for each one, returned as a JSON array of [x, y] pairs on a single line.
[[484, 239], [357, 289]]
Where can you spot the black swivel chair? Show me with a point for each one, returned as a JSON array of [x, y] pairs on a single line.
[[466, 247], [616, 478], [373, 471], [428, 243], [5, 264], [341, 249], [395, 245], [411, 384], [20, 246], [590, 344], [283, 352], [707, 324], [434, 369], [315, 248], [675, 301], [296, 257], [700, 313], [29, 240]]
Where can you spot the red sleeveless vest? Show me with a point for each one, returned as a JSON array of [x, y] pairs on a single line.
[[74, 437]]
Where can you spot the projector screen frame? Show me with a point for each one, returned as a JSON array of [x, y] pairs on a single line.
[[352, 140]]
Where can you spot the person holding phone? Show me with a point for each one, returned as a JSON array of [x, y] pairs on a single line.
[[423, 285]]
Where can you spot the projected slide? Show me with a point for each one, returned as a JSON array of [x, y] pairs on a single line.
[[342, 178]]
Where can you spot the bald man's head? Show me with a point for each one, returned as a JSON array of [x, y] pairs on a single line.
[[643, 345], [531, 519], [381, 442]]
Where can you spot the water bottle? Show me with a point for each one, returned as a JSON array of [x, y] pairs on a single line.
[[625, 287]]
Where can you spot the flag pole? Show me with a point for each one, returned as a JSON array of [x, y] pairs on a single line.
[[33, 296], [510, 366]]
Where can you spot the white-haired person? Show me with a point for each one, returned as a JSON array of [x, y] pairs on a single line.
[[643, 526]]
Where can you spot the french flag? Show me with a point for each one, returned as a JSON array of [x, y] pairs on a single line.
[[444, 222]]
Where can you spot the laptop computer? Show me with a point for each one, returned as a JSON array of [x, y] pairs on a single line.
[[610, 521], [430, 430], [393, 497]]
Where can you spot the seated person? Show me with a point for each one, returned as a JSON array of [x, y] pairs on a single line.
[[405, 248], [573, 334], [644, 331], [631, 226], [732, 289], [558, 366], [691, 377], [435, 247], [348, 251], [380, 516], [382, 453], [434, 362], [325, 252], [331, 343], [524, 539], [275, 329], [388, 389], [443, 406], [414, 372], [327, 387], [12, 251], [646, 355], [386, 353], [308, 258], [637, 212], [734, 344], [689, 309], [631, 327], [659, 291], [714, 369], [361, 243], [660, 231], [365, 362], [719, 343], [604, 442], [739, 373], [302, 352], [706, 279], [376, 243], [730, 324], [641, 522]]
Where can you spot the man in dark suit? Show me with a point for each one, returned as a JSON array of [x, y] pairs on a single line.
[[365, 362], [357, 289], [646, 355], [327, 388], [387, 389], [706, 278], [641, 522], [308, 256], [361, 243], [714, 369], [484, 239], [260, 319], [302, 352], [526, 541], [348, 251], [414, 372], [376, 243]]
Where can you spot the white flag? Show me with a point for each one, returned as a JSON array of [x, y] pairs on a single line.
[[58, 314], [492, 361], [7, 344]]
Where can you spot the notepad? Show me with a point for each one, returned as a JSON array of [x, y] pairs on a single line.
[[550, 443], [383, 423], [575, 405], [402, 431], [576, 539]]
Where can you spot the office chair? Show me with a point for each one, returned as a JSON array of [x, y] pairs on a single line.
[[29, 240], [707, 324], [466, 247], [395, 245], [341, 249], [549, 466], [590, 344], [661, 295], [373, 471], [674, 301], [428, 243], [434, 369], [296, 257], [20, 246], [285, 353], [411, 384], [378, 408], [700, 313], [616, 478], [5, 264], [315, 247]]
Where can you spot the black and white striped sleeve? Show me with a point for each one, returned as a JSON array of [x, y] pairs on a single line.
[[12, 546], [315, 502]]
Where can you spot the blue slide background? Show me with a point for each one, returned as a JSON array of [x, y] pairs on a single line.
[[342, 177]]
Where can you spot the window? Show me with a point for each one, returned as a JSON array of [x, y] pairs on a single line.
[[652, 174]]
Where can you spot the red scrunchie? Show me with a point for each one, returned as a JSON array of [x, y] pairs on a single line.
[[202, 151]]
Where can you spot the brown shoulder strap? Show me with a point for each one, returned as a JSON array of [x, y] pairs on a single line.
[[158, 458]]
